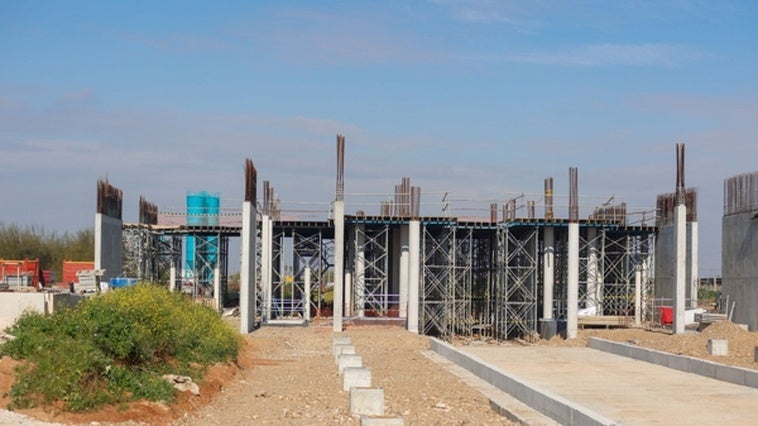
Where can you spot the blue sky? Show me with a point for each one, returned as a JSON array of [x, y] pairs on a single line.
[[482, 99]]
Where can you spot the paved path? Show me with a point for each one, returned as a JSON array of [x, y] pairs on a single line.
[[628, 391]]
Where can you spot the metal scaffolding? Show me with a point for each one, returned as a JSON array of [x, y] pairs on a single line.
[[437, 313], [371, 245], [517, 271], [149, 254]]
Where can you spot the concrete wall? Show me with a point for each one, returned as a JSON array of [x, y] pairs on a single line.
[[739, 266], [665, 263], [12, 305], [701, 367], [108, 246]]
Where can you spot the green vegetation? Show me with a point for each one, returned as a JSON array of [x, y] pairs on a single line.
[[51, 249], [114, 348]]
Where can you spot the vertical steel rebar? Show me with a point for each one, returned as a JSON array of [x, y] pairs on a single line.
[[573, 195], [340, 195], [549, 214]]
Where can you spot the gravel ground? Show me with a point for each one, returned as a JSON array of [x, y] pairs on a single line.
[[289, 376]]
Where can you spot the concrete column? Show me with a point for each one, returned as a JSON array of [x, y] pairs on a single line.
[[172, 278], [266, 266], [108, 246], [247, 269], [638, 296], [414, 275], [307, 295], [680, 274], [339, 264], [359, 285], [348, 294], [548, 272], [645, 276], [593, 271], [572, 304], [692, 262], [217, 302], [404, 271]]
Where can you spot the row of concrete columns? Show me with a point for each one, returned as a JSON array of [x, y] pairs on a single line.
[[409, 275], [344, 281]]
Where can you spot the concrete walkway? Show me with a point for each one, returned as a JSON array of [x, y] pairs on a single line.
[[627, 391]]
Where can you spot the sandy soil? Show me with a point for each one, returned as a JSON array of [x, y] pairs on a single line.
[[288, 376]]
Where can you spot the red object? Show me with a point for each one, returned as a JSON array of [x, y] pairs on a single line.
[[70, 268], [26, 267], [667, 315]]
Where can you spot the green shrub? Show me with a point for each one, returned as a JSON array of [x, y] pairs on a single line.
[[115, 347]]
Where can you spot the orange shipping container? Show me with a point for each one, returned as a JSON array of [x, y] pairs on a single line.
[[70, 268]]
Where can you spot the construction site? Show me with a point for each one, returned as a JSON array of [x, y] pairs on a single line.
[[532, 265], [514, 269], [515, 296]]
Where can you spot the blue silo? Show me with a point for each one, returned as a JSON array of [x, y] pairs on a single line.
[[195, 217]]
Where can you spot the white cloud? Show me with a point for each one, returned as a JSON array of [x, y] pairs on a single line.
[[510, 13], [651, 54]]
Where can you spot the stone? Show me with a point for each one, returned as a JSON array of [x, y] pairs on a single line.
[[182, 383]]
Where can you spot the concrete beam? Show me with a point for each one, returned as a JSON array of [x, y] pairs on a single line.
[[307, 298], [339, 264], [247, 268], [404, 271], [414, 273], [266, 265], [548, 272], [572, 303], [680, 275]]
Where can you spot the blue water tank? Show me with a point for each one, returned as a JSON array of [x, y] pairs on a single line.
[[212, 203]]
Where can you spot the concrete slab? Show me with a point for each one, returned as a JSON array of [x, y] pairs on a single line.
[[356, 377], [622, 389], [500, 402], [367, 401], [382, 421], [349, 360], [338, 350]]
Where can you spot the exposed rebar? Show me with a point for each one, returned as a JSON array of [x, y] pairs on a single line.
[[573, 195], [109, 199], [266, 207], [549, 214], [415, 202], [680, 174], [251, 181], [666, 203], [340, 168], [148, 212], [741, 194]]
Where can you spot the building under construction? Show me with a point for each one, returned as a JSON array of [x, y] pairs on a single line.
[[511, 272]]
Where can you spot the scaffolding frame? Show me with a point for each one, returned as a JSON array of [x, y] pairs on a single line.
[[150, 254], [517, 271], [371, 286]]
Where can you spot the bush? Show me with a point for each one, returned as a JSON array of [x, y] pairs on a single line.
[[115, 347]]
